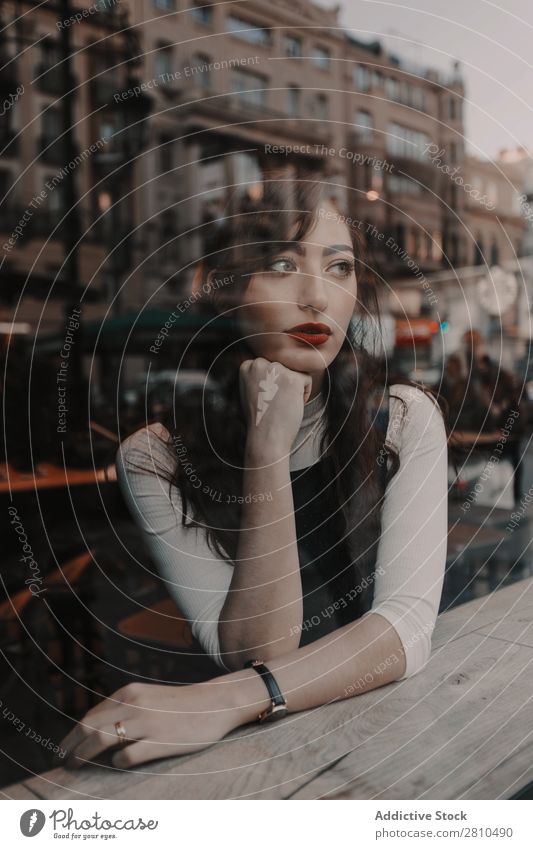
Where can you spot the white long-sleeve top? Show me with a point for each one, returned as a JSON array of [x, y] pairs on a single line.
[[411, 554]]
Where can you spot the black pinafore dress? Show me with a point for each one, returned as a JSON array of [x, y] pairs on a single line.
[[321, 550]]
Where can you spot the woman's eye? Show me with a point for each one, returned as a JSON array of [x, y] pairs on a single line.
[[282, 266], [343, 268]]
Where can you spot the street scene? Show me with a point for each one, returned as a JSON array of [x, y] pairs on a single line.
[[144, 149]]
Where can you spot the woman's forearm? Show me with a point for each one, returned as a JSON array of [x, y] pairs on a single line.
[[263, 608], [360, 656]]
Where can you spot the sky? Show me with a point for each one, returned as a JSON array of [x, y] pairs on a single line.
[[493, 41]]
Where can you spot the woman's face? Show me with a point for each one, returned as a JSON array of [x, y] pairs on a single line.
[[312, 281]]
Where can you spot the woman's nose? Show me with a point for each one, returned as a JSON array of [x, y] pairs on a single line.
[[313, 291]]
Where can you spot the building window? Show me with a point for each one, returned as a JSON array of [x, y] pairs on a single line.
[[411, 242], [5, 183], [402, 185], [426, 246], [103, 63], [392, 88], [404, 142], [200, 70], [248, 31], [364, 125], [320, 57], [436, 245], [202, 14], [107, 128], [417, 98], [477, 183], [453, 195], [250, 88], [453, 108], [321, 107], [405, 93], [494, 253], [366, 184], [247, 175], [292, 46], [293, 100], [211, 183], [166, 158], [167, 221], [479, 251], [362, 78], [106, 7], [454, 249], [165, 5], [399, 233], [163, 61], [50, 54], [51, 123], [492, 193], [54, 207], [377, 79]]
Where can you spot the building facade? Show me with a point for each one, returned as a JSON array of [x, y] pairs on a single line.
[[235, 92]]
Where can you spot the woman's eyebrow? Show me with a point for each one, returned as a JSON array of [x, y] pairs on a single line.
[[298, 248], [333, 249]]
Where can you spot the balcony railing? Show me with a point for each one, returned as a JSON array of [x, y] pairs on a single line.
[[359, 138], [422, 170], [213, 105]]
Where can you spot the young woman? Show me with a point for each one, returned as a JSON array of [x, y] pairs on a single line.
[[288, 526]]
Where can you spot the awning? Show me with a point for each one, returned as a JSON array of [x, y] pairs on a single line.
[[39, 285], [136, 332]]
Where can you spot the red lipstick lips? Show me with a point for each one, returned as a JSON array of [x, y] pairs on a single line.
[[313, 333]]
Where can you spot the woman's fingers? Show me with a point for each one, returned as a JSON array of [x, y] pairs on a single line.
[[78, 733], [153, 747], [145, 750], [308, 386], [159, 722], [93, 718], [90, 742]]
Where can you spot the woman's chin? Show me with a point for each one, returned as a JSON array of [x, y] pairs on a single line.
[[302, 358]]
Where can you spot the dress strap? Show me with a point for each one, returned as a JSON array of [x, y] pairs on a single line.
[[382, 423]]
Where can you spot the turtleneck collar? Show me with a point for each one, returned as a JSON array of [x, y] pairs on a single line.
[[314, 409]]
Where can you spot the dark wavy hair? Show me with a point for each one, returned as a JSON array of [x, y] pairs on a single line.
[[208, 428]]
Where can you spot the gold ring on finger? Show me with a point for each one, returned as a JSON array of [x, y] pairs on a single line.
[[121, 733]]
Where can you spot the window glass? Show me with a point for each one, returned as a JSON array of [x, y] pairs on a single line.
[[247, 31]]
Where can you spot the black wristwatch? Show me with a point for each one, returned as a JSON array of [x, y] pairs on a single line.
[[278, 706]]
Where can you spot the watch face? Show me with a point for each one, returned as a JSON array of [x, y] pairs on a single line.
[[274, 713]]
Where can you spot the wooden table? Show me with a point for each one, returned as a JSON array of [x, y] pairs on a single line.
[[50, 476], [473, 539], [478, 514], [460, 729], [468, 438]]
